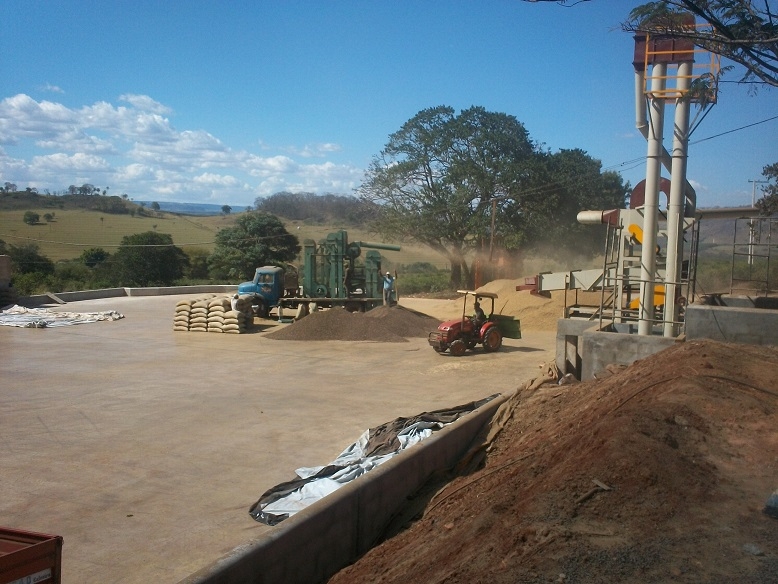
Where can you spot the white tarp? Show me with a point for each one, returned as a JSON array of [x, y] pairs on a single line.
[[373, 448], [351, 464], [22, 317]]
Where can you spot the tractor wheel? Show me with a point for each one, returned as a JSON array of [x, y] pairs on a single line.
[[440, 350], [492, 340], [458, 348], [260, 308]]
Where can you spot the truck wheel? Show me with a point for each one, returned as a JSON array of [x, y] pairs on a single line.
[[260, 308], [458, 348], [492, 340]]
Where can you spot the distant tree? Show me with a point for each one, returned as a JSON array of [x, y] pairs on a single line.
[[27, 259], [768, 204], [9, 187], [31, 217], [198, 263], [319, 208], [255, 240], [226, 209], [49, 217], [87, 189], [155, 206], [93, 256], [149, 259]]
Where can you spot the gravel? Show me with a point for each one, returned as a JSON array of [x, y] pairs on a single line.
[[382, 324]]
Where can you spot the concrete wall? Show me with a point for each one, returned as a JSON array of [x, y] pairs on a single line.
[[569, 344], [602, 348], [41, 299], [583, 350], [753, 326], [317, 542]]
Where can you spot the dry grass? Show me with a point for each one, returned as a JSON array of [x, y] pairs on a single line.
[[76, 230]]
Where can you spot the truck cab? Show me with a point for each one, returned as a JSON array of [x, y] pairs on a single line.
[[270, 284]]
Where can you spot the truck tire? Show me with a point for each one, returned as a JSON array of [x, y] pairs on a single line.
[[259, 307]]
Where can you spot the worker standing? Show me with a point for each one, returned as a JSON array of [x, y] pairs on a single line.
[[388, 289]]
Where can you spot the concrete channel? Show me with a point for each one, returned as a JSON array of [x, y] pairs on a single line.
[[145, 448]]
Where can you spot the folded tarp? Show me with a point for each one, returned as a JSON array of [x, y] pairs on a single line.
[[373, 448], [22, 317]]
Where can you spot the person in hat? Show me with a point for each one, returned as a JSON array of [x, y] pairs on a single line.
[[388, 289], [234, 302]]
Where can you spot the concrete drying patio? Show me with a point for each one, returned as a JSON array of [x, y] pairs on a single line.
[[145, 448]]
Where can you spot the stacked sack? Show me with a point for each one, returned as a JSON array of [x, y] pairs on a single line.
[[236, 322], [198, 316], [216, 309], [181, 318], [213, 315]]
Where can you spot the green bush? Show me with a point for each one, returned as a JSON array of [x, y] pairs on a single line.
[[423, 283], [31, 217], [32, 283]]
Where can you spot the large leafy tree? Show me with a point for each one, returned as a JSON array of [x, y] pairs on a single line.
[[148, 259], [439, 175], [575, 182], [468, 182], [257, 239]]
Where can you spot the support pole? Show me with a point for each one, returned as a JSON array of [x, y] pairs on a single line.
[[651, 206], [677, 203]]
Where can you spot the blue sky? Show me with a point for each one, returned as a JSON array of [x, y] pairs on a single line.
[[223, 102]]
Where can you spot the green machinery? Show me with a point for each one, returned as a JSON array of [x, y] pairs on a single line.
[[331, 270]]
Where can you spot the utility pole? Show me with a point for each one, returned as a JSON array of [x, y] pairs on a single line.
[[752, 223], [753, 190]]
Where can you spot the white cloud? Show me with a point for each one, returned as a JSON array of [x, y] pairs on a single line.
[[135, 149], [315, 150], [145, 103], [217, 180], [78, 162], [52, 88], [698, 186]]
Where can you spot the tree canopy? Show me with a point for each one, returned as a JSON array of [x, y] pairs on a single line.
[[444, 180], [256, 239], [148, 259], [768, 204], [743, 31], [331, 208]]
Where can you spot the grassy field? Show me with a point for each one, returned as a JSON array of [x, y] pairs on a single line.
[[73, 231]]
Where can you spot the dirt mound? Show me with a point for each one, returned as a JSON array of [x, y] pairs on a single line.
[[685, 444], [382, 324]]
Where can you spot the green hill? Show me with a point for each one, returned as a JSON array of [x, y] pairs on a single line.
[[75, 228]]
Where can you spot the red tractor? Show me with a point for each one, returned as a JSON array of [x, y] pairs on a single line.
[[459, 335]]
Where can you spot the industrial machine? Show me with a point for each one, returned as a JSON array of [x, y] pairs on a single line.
[[331, 276], [459, 335]]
